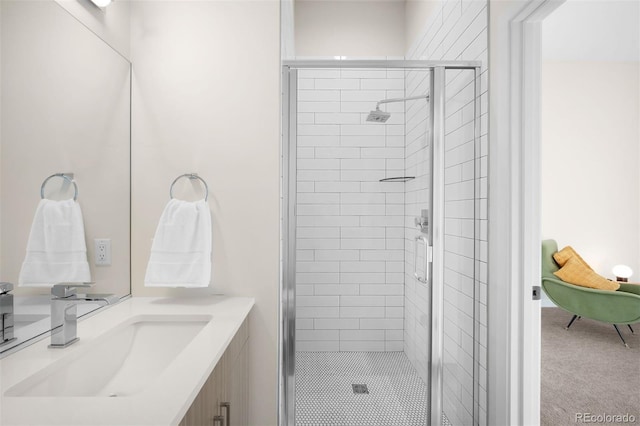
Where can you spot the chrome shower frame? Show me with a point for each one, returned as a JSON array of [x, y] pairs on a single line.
[[286, 356]]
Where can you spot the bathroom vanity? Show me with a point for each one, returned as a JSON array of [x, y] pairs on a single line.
[[144, 361]]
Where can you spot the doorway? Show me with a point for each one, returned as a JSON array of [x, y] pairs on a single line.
[[514, 191]]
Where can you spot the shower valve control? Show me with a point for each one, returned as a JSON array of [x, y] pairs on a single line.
[[422, 222]]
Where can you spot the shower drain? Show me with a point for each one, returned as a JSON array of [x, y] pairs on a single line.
[[360, 389]]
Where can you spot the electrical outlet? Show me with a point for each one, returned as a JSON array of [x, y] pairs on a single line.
[[102, 251]]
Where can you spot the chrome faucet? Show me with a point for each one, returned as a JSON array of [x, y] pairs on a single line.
[[64, 312], [6, 313]]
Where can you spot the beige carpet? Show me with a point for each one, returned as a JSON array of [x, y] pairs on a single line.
[[587, 369]]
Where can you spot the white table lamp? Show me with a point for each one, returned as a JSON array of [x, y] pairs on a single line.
[[622, 273]]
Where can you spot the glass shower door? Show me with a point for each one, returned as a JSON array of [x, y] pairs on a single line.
[[456, 341], [326, 226]]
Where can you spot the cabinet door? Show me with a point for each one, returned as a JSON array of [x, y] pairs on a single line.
[[225, 391], [205, 406], [238, 389]]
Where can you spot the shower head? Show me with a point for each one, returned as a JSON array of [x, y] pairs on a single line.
[[378, 116]]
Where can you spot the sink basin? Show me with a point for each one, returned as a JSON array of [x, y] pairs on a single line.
[[121, 362]]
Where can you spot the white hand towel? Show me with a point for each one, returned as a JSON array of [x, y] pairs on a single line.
[[181, 249], [56, 250]]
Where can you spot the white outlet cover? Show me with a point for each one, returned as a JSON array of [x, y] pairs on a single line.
[[102, 254]]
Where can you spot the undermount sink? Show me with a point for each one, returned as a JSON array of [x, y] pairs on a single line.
[[121, 362]]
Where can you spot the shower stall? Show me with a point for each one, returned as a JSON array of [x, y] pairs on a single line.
[[380, 305]]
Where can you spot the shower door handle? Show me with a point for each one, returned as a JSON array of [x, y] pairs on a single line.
[[428, 257]]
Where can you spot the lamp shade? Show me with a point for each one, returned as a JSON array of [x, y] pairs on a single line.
[[622, 271]]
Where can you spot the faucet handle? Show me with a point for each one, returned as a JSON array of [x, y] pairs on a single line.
[[68, 289], [5, 287]]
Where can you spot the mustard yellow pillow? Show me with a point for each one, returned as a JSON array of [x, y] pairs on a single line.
[[567, 253], [575, 272]]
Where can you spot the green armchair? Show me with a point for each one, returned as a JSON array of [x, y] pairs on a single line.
[[613, 307]]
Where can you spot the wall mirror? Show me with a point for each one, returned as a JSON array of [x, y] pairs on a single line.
[[65, 108]]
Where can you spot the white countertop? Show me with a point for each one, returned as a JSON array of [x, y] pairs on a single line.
[[164, 403]]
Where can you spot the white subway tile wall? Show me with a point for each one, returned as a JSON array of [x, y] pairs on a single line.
[[350, 236], [456, 31]]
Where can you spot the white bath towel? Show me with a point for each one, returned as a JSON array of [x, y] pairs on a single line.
[[56, 250], [181, 249]]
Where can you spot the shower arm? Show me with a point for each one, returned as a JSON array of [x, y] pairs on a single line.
[[411, 98]]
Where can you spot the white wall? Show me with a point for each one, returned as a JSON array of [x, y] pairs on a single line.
[[287, 31], [349, 28], [1, 60], [206, 100], [594, 30], [590, 131], [416, 18], [590, 151], [349, 269]]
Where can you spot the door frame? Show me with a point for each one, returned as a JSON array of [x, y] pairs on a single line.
[[286, 332], [514, 203]]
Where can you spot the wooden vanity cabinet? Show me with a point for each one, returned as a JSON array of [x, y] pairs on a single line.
[[223, 399]]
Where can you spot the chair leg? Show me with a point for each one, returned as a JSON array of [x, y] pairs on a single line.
[[632, 332], [571, 322], [619, 334]]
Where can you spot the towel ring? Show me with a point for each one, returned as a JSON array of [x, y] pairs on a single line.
[[66, 176], [190, 176]]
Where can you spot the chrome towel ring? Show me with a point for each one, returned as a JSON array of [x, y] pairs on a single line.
[[66, 176], [191, 176]]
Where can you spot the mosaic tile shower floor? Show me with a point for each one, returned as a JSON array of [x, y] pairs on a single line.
[[324, 393]]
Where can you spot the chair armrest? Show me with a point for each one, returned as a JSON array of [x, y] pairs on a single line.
[[614, 307], [630, 288]]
